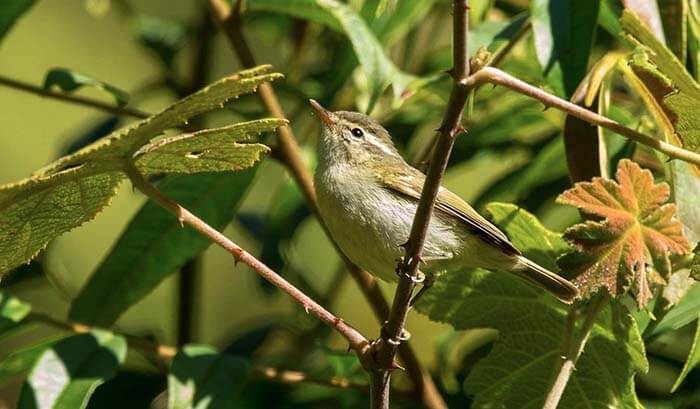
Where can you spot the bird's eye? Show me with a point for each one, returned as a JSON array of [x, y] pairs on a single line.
[[357, 132]]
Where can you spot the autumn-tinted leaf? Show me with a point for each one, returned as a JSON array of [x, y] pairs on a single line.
[[517, 371], [69, 81], [633, 230]]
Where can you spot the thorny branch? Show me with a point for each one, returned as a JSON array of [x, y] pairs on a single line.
[[393, 333]]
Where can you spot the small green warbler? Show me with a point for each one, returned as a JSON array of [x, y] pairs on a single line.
[[368, 196]]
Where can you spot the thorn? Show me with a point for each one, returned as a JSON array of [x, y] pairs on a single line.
[[306, 308], [461, 129], [181, 220], [338, 321], [395, 365]]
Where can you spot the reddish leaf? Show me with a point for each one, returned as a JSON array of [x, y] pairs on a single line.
[[632, 233]]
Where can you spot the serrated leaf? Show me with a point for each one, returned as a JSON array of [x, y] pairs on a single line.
[[73, 189], [66, 374], [518, 370], [695, 264], [563, 33], [69, 81], [11, 11], [637, 231], [210, 150], [155, 245], [378, 69], [12, 311], [202, 378], [21, 361]]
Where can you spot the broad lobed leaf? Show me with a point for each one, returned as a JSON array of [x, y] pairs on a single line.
[[518, 370], [637, 231]]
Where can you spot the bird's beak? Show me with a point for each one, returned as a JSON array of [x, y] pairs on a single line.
[[325, 115]]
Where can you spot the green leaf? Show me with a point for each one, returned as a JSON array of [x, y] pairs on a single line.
[[648, 10], [11, 11], [155, 245], [637, 229], [518, 370], [378, 69], [210, 150], [681, 314], [693, 358], [69, 81], [75, 188], [66, 374], [20, 362], [164, 37], [674, 14], [12, 311], [563, 33], [201, 378]]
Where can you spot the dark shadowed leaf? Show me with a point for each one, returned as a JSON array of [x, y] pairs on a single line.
[[693, 357], [674, 14], [682, 314], [11, 11], [637, 230], [202, 378], [517, 372], [69, 81], [19, 362], [66, 374], [156, 245], [163, 37], [379, 70], [563, 34]]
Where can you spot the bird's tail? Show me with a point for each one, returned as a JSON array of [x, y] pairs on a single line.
[[560, 287]]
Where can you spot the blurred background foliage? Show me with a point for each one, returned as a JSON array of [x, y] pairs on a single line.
[[157, 51]]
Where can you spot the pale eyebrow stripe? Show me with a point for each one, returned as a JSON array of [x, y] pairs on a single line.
[[374, 141]]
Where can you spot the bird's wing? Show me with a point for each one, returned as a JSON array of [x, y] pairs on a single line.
[[410, 183]]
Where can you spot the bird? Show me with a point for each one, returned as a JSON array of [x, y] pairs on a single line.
[[368, 195]]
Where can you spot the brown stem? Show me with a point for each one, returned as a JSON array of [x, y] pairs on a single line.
[[393, 332], [356, 340], [496, 76], [162, 352], [572, 349], [290, 156], [73, 99]]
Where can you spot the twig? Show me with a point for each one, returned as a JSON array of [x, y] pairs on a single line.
[[356, 340], [496, 76], [162, 352], [393, 332], [290, 156], [572, 349], [73, 99]]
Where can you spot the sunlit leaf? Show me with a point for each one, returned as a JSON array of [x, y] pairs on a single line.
[[75, 188], [517, 372], [636, 231], [210, 150], [563, 34], [69, 81], [12, 311], [155, 244], [202, 378], [11, 11], [682, 314], [66, 374]]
